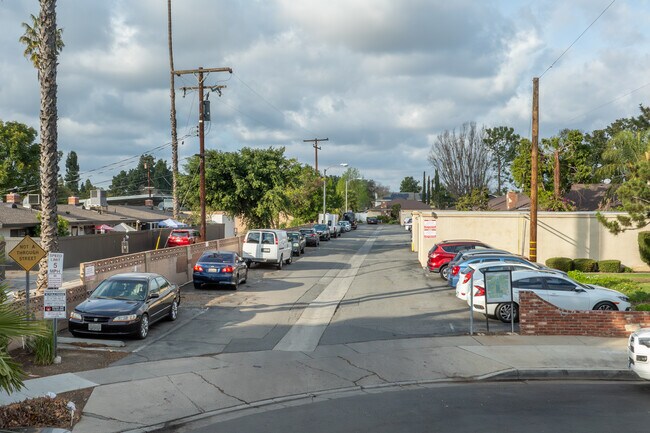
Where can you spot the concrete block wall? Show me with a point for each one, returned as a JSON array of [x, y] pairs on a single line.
[[538, 317]]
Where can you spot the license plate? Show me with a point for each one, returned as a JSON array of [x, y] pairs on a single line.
[[266, 250], [212, 269], [94, 326]]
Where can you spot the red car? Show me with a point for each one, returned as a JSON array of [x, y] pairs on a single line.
[[180, 237], [442, 253]]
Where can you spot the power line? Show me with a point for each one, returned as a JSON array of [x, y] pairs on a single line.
[[609, 102], [577, 39]]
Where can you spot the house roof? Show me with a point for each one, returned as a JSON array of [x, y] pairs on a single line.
[[522, 201], [17, 216], [591, 197], [142, 213], [79, 215]]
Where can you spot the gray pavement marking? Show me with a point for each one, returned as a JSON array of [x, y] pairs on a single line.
[[305, 334]]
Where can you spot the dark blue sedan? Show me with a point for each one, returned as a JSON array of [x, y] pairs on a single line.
[[220, 267]]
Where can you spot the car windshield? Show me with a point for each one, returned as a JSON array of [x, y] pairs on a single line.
[[127, 289], [181, 234], [320, 227], [294, 236], [217, 258], [307, 231]]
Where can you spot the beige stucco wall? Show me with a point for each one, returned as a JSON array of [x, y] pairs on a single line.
[[565, 234]]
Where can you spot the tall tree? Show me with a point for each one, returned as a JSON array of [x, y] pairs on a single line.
[[43, 43], [424, 185], [429, 189], [172, 113], [19, 157], [72, 172], [409, 184], [622, 153], [502, 142], [462, 159]]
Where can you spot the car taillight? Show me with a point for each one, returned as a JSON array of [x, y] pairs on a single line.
[[227, 269], [198, 268], [455, 269], [276, 240], [468, 276], [480, 291]]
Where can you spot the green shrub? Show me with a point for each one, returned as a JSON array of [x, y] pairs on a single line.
[[564, 264], [585, 265], [609, 266], [627, 269], [42, 347], [630, 288], [642, 307], [644, 246], [639, 296]]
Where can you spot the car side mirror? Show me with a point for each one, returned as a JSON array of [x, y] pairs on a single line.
[[579, 290], [154, 295]]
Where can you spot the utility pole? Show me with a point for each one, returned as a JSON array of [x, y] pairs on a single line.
[[533, 173], [316, 149], [199, 72]]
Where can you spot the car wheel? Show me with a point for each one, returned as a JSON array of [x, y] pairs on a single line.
[[235, 285], [444, 272], [173, 311], [290, 260], [197, 286], [503, 312], [144, 327], [245, 277], [605, 306], [279, 265]]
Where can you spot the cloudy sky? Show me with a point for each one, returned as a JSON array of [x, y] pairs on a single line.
[[380, 78]]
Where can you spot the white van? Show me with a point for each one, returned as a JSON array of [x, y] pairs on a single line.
[[267, 246]]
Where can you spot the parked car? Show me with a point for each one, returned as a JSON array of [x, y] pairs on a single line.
[[351, 218], [466, 255], [473, 274], [267, 246], [126, 304], [443, 252], [372, 220], [323, 231], [334, 228], [298, 242], [219, 267], [181, 237], [638, 352], [557, 289], [505, 257], [408, 223], [311, 236], [344, 226]]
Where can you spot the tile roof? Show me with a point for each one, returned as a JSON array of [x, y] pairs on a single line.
[[591, 197], [17, 217]]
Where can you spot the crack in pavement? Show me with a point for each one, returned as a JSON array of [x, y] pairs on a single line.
[[220, 389], [107, 418], [356, 382], [364, 369], [325, 371], [199, 408]]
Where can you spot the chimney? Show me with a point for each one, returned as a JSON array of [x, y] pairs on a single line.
[[13, 198], [511, 200], [149, 203], [73, 200]]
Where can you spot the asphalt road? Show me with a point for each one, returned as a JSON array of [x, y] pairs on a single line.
[[531, 407], [366, 285]]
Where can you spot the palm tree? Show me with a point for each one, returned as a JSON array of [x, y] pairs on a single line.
[[13, 323], [172, 115], [622, 153], [42, 44], [31, 39]]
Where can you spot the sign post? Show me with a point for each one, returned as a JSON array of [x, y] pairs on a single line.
[[27, 254], [498, 289], [54, 300]]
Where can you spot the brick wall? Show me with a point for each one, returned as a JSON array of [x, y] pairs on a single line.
[[538, 317]]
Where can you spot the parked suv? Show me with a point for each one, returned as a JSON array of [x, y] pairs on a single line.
[[441, 254], [180, 237]]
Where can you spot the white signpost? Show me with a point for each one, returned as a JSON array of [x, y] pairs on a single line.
[[54, 270], [54, 299]]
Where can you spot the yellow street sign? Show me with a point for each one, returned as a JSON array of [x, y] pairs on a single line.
[[27, 253]]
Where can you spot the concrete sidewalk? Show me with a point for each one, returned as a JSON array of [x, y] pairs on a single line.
[[139, 397]]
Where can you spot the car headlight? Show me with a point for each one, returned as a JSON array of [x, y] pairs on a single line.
[[127, 318], [295, 244], [644, 342], [75, 316], [624, 298]]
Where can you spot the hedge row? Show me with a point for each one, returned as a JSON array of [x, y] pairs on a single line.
[[630, 288], [566, 264]]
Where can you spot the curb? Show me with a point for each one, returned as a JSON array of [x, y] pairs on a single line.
[[180, 424]]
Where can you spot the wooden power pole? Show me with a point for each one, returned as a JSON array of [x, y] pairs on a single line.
[[199, 72], [533, 173], [316, 149]]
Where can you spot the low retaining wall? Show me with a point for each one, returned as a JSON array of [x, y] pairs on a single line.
[[538, 317]]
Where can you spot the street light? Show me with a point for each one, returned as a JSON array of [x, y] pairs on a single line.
[[343, 164], [346, 191]]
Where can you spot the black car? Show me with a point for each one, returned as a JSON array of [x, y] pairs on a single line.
[[311, 237], [219, 267], [372, 220], [298, 243], [126, 304], [351, 218], [323, 231]]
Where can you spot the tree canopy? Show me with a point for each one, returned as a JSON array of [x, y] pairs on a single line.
[[409, 184], [19, 158], [136, 180]]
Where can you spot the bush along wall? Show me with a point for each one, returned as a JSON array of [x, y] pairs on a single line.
[[644, 246], [609, 266], [564, 264], [585, 265]]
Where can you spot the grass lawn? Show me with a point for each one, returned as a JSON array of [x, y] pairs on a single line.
[[643, 278]]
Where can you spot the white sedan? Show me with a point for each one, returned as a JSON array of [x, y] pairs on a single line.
[[557, 289], [638, 351]]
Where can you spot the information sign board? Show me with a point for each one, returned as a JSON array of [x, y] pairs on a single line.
[[54, 270], [430, 228], [54, 304]]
